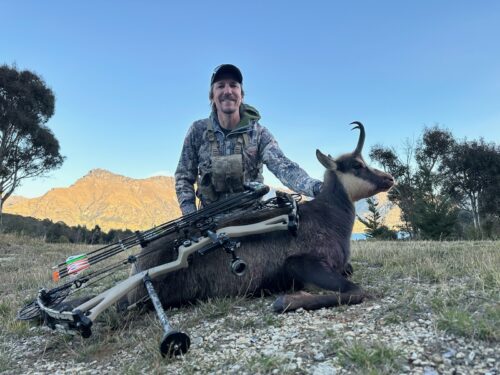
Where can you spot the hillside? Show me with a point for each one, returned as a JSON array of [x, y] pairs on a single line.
[[105, 199], [117, 202]]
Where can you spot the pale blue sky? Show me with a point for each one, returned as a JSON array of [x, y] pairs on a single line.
[[131, 76]]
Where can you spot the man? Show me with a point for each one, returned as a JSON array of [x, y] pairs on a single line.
[[228, 149]]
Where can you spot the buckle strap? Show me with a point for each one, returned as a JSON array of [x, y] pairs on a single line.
[[211, 138], [243, 139]]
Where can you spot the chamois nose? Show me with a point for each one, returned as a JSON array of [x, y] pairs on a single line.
[[389, 180]]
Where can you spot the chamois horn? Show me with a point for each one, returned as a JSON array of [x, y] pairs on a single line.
[[361, 140]]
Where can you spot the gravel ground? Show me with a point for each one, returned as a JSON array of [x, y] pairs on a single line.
[[435, 310], [251, 339]]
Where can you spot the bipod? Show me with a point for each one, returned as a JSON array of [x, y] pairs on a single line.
[[173, 342]]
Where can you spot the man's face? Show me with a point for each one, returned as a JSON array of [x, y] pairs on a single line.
[[227, 95]]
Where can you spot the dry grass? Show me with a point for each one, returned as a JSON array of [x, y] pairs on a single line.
[[457, 282], [463, 280]]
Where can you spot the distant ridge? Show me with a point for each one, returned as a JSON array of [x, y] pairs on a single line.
[[114, 201], [106, 199]]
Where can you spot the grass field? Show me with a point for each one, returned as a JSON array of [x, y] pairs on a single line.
[[435, 307]]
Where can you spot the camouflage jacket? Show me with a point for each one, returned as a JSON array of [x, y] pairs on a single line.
[[259, 148]]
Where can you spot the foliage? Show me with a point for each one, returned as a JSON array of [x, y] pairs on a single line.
[[427, 211], [60, 232], [437, 219], [28, 148], [472, 170], [445, 188], [373, 223]]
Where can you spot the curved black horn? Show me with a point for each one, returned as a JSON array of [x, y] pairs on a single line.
[[361, 140]]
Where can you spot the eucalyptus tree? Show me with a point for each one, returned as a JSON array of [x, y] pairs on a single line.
[[28, 148], [472, 170], [419, 191]]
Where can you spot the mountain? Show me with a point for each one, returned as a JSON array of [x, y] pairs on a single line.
[[102, 198], [117, 202]]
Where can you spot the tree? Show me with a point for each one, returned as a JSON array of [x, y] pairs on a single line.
[[420, 185], [403, 195], [472, 169], [28, 148], [436, 219], [96, 235], [373, 223]]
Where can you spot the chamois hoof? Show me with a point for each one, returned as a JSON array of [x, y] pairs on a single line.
[[371, 296], [348, 271], [281, 304]]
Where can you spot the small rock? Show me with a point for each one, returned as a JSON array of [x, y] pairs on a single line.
[[450, 353], [235, 368], [460, 355], [324, 369], [319, 357], [268, 352], [197, 341], [290, 367], [471, 356], [436, 358], [242, 340], [430, 371]]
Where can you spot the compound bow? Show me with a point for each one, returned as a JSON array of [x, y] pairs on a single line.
[[199, 232]]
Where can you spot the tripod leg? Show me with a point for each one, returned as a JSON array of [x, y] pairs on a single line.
[[173, 342]]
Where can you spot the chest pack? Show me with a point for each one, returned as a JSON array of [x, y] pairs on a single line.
[[225, 175]]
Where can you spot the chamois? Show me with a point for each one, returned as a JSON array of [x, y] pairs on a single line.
[[278, 262]]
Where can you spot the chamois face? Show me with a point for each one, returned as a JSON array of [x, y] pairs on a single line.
[[359, 180]]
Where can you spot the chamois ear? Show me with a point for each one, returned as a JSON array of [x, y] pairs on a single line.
[[326, 161]]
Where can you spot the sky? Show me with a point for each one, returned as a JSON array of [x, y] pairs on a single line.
[[130, 77]]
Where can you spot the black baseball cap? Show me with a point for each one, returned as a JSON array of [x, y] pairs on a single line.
[[226, 70]]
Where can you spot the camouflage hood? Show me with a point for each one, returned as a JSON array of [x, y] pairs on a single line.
[[248, 116]]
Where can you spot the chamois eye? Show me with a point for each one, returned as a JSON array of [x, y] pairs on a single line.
[[357, 165]]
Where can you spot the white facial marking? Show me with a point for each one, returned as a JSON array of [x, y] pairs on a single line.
[[356, 187]]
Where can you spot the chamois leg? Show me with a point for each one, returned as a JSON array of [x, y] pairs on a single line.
[[348, 270], [311, 270]]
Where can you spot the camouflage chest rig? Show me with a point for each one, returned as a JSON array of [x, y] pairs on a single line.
[[225, 174]]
